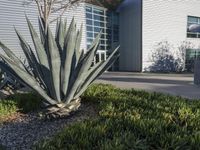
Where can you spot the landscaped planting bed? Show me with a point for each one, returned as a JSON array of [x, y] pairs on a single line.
[[129, 119]]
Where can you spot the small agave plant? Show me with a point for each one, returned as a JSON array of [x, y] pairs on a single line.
[[60, 71]]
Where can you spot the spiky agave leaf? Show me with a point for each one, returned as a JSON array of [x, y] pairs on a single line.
[[68, 53], [55, 64], [96, 72], [12, 56], [78, 44], [82, 68], [27, 78], [62, 71], [32, 61], [42, 55]]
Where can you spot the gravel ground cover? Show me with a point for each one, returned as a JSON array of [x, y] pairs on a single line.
[[27, 129]]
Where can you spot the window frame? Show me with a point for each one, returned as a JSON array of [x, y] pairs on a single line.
[[195, 35]]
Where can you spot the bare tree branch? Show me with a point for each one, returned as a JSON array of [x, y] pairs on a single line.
[[47, 8]]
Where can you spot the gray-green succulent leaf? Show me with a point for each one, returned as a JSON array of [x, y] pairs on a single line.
[[60, 71]]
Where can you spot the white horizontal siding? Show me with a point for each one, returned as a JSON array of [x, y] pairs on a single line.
[[166, 20], [12, 13]]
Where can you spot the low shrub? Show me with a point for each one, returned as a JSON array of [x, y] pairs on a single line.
[[130, 119]]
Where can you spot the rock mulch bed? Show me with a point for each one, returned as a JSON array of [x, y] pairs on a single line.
[[26, 130]]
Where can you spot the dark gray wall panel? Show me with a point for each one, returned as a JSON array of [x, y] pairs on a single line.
[[131, 35]]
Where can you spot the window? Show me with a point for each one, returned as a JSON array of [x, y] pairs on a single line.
[[96, 22], [89, 34], [193, 27], [89, 16], [89, 22], [191, 56], [101, 24], [89, 28], [98, 11]]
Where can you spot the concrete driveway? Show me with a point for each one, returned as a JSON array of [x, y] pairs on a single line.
[[175, 84]]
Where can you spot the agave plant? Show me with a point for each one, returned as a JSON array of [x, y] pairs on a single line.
[[60, 71]]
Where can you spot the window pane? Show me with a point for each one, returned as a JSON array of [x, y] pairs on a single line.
[[96, 23], [89, 34], [98, 11], [108, 47], [115, 38], [103, 36], [193, 27], [103, 42], [89, 40], [88, 15], [192, 35], [97, 58], [100, 18], [95, 34], [193, 19], [96, 29], [89, 22], [109, 31], [88, 9], [107, 21], [102, 56], [108, 36], [191, 56], [88, 46], [102, 47], [116, 32], [89, 28]]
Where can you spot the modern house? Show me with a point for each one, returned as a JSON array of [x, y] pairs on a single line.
[[154, 35], [149, 28], [92, 16]]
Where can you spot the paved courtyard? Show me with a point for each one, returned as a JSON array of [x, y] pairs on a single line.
[[175, 84]]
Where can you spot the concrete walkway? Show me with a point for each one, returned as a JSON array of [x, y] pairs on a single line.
[[175, 84]]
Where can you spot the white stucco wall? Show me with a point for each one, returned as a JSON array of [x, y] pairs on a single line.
[[12, 13], [166, 20]]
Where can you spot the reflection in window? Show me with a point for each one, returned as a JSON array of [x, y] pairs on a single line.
[[101, 24], [89, 34], [89, 22], [98, 11], [88, 15], [89, 28], [95, 21], [193, 27]]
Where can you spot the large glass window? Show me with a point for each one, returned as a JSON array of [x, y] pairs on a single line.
[[99, 19], [95, 22], [113, 34], [191, 56], [193, 27]]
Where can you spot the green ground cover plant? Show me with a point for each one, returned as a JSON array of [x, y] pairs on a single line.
[[7, 107], [2, 148], [130, 119], [23, 103]]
